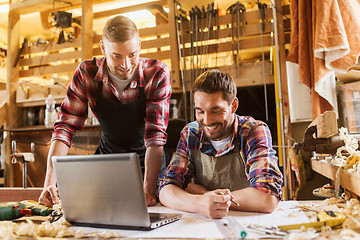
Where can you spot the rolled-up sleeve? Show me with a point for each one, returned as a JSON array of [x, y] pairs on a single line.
[[181, 168], [262, 164], [73, 110], [157, 108]]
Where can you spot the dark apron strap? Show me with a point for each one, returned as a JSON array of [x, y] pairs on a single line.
[[122, 125]]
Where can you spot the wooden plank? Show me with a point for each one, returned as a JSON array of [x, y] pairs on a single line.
[[326, 124], [251, 19], [2, 114], [87, 33], [52, 47], [122, 10], [35, 102], [324, 168], [15, 194], [283, 118], [244, 44], [152, 55], [246, 77], [154, 31], [348, 180], [44, 70], [13, 40], [249, 30], [175, 58], [47, 59], [155, 43], [76, 43], [157, 55], [31, 6]]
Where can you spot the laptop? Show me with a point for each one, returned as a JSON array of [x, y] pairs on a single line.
[[105, 191]]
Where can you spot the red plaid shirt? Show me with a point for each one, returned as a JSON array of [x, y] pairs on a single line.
[[152, 75]]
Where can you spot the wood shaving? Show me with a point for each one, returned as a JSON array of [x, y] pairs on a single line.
[[350, 229], [347, 151], [293, 214], [58, 229]]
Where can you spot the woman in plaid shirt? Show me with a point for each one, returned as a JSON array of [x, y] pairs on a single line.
[[222, 157], [129, 96]]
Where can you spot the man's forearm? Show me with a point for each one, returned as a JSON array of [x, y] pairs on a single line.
[[152, 167], [174, 197], [57, 148], [245, 197]]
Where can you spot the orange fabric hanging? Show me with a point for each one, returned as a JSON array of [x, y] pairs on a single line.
[[325, 37]]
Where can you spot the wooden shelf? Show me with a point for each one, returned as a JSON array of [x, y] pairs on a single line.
[[31, 6], [37, 102], [350, 181]]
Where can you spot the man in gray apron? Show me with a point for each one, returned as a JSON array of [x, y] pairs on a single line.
[[130, 97], [222, 160]]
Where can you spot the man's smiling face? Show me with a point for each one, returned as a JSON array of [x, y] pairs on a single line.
[[122, 57], [214, 114]]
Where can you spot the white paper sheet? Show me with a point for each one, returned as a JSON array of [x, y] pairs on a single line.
[[193, 225]]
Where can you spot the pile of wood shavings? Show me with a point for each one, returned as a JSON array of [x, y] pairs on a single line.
[[58, 229], [351, 227], [342, 153]]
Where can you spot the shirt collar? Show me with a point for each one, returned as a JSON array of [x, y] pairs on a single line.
[[102, 74]]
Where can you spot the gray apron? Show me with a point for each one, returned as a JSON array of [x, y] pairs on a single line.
[[223, 172]]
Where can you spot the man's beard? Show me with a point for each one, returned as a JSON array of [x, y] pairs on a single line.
[[219, 134]]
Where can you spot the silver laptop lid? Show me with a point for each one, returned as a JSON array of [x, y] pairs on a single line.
[[102, 189]]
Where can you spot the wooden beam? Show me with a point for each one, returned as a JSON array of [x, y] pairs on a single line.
[[282, 59], [246, 43], [45, 60], [161, 17], [44, 70], [134, 8], [31, 6], [154, 31], [3, 113], [246, 78], [87, 33], [13, 40], [250, 29], [35, 102], [52, 47], [175, 58]]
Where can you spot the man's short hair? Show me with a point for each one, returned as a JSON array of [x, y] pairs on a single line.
[[214, 80], [120, 29]]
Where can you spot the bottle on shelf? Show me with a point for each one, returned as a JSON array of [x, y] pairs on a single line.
[[50, 111], [173, 109]]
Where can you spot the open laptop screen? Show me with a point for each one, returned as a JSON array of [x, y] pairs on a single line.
[[102, 189]]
